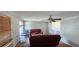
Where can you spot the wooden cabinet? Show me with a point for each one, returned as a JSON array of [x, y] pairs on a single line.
[[5, 30]]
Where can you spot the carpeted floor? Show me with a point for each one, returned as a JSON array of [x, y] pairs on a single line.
[[61, 44]]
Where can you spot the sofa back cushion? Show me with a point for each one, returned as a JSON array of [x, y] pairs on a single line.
[[34, 32]]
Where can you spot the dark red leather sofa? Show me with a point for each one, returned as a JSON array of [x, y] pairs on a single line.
[[44, 40]]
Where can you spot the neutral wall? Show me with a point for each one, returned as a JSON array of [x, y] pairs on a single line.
[[70, 30], [38, 25], [50, 30], [15, 30]]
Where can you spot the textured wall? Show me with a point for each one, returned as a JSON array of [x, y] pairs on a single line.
[[70, 30]]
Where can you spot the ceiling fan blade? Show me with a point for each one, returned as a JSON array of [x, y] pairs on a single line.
[[57, 19], [53, 20]]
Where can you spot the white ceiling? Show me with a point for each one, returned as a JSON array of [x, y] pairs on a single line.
[[43, 15]]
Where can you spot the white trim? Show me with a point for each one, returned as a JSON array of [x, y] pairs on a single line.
[[8, 44]]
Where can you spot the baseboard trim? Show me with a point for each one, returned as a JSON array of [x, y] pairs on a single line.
[[72, 43], [8, 44]]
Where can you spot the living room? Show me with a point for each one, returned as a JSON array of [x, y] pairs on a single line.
[[20, 20], [65, 24]]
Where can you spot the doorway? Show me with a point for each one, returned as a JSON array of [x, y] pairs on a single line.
[[24, 34]]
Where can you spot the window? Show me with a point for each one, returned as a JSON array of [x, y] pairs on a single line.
[[56, 27]]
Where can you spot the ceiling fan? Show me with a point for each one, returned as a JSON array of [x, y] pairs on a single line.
[[53, 19]]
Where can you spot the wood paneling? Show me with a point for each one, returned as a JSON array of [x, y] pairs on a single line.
[[5, 24], [5, 30]]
